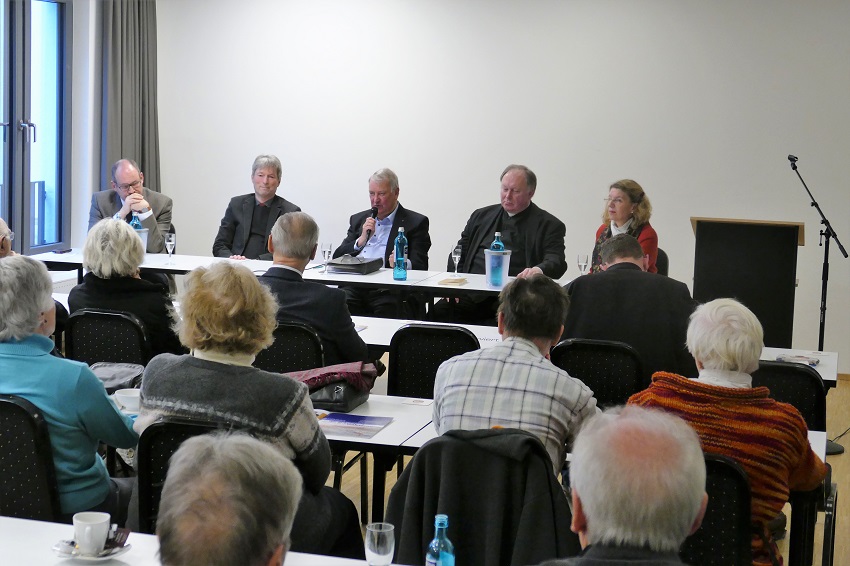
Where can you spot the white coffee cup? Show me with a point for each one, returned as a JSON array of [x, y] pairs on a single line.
[[90, 531]]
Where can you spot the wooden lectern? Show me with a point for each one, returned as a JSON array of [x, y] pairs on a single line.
[[754, 261]]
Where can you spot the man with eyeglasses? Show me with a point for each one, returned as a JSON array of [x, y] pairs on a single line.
[[127, 195]]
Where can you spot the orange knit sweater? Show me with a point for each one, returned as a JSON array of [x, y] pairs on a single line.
[[767, 438]]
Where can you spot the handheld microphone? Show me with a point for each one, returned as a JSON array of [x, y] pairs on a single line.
[[792, 158], [374, 215]]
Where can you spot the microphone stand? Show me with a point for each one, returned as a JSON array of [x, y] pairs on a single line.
[[825, 236]]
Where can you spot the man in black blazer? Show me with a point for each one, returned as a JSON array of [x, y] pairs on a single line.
[[650, 312], [293, 244], [127, 195], [248, 220], [535, 238], [373, 236]]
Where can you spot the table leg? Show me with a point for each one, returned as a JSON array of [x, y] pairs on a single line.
[[383, 464]]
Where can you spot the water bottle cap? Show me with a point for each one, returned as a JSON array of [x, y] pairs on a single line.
[[401, 229], [441, 521], [498, 234]]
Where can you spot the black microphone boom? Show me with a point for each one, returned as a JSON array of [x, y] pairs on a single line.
[[374, 215]]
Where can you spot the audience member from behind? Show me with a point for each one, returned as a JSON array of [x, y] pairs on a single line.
[[73, 401], [535, 238], [625, 303], [293, 243], [513, 384], [228, 499], [249, 218], [128, 195], [638, 488], [767, 438], [226, 317], [112, 255], [627, 211]]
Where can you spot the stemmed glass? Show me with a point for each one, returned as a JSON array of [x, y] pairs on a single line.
[[170, 243], [456, 258], [327, 252], [583, 262], [380, 543]]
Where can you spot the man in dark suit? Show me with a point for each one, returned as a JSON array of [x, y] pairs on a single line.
[[535, 238], [372, 236], [248, 220], [650, 312], [293, 244], [127, 195]]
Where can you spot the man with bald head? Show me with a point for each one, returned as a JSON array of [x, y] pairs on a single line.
[[127, 195]]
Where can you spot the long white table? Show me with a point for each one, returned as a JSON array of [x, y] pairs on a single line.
[[29, 543]]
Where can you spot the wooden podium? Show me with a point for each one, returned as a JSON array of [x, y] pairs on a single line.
[[754, 261]]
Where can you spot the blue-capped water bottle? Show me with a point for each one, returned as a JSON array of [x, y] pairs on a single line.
[[497, 261], [135, 223], [441, 551], [400, 268]]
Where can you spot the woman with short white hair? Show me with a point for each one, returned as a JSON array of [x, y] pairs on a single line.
[[73, 401], [767, 438], [112, 255]]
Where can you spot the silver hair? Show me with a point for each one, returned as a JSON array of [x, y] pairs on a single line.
[[228, 499], [121, 162], [25, 292], [263, 161], [385, 176], [725, 335], [640, 476], [294, 235], [113, 249]]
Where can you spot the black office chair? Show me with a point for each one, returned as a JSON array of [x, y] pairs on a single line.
[[296, 347], [801, 386], [416, 352], [28, 487], [724, 538], [156, 445], [662, 262], [612, 370], [102, 335]]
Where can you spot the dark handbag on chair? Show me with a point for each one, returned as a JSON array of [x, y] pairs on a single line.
[[339, 388], [350, 264]]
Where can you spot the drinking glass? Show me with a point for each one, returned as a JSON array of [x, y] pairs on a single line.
[[583, 262], [170, 243], [380, 543], [456, 257], [327, 251]]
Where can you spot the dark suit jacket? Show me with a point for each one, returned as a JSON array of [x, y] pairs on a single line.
[[544, 239], [645, 310], [415, 229], [321, 307], [235, 227], [148, 301], [105, 204]]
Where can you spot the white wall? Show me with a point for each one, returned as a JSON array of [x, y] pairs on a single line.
[[700, 102]]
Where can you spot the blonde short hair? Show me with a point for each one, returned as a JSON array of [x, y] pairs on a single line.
[[225, 308], [725, 335], [637, 196], [113, 249]]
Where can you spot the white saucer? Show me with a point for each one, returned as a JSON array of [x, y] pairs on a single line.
[[66, 549]]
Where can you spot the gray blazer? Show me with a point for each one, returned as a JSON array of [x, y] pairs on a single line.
[[105, 204]]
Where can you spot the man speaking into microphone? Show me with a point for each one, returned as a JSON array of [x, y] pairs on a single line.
[[371, 235]]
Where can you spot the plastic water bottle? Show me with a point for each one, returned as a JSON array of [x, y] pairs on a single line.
[[400, 268], [135, 223], [497, 261], [441, 551]]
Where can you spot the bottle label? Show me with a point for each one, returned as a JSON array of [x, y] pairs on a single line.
[[445, 559]]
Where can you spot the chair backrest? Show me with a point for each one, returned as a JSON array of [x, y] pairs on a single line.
[[156, 445], [798, 385], [27, 478], [103, 335], [505, 505], [662, 262], [296, 347], [612, 370], [724, 538], [416, 352]]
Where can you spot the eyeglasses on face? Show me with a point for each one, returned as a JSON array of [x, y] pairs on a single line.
[[615, 200], [127, 186], [10, 236]]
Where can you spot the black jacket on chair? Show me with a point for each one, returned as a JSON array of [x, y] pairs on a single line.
[[504, 504]]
